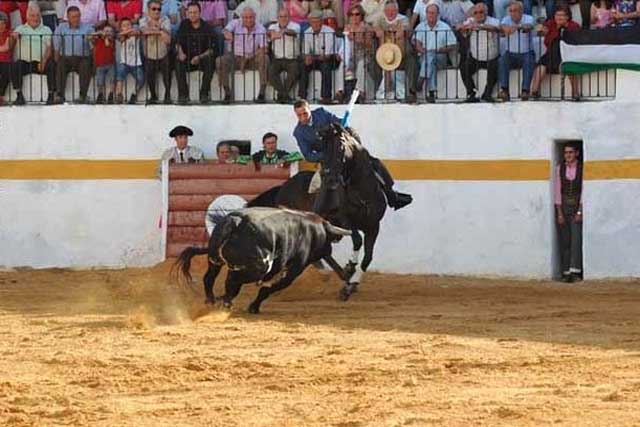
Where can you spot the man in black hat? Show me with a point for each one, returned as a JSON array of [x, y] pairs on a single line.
[[182, 152]]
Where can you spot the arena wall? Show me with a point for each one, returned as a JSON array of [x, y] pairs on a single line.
[[79, 185]]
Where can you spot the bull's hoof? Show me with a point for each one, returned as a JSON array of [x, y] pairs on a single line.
[[226, 305], [253, 309], [210, 301]]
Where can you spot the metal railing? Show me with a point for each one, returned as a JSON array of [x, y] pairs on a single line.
[[323, 67]]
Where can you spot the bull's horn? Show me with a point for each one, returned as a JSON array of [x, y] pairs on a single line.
[[336, 230]]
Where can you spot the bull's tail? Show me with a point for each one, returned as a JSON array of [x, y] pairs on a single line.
[[183, 263]]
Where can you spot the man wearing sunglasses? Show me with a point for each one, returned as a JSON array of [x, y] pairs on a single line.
[[156, 30]]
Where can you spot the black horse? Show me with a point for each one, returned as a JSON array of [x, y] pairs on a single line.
[[350, 196]]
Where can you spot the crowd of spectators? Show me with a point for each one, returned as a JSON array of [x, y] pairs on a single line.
[[110, 40]]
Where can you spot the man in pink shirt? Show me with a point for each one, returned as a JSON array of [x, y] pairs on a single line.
[[568, 207], [92, 12], [249, 41]]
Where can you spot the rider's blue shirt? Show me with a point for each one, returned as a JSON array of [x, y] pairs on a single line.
[[307, 135]]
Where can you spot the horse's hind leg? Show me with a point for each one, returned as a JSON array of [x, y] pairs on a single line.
[[369, 242], [266, 291], [209, 280]]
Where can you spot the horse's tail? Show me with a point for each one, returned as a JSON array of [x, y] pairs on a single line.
[[266, 199], [183, 263]]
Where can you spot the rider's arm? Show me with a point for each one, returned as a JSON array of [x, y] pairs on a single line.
[[305, 145]]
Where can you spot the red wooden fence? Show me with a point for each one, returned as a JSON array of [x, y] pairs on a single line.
[[192, 187]]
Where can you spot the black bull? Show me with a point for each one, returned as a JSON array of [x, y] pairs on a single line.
[[262, 245]]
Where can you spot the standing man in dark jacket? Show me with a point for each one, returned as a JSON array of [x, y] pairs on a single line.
[[306, 134], [568, 204]]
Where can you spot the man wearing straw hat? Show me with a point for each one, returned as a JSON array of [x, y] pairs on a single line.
[[392, 28]]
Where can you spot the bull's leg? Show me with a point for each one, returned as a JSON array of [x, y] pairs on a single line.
[[231, 288], [263, 294], [335, 266], [350, 267], [209, 280]]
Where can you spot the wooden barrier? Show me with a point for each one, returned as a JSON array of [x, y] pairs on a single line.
[[192, 188]]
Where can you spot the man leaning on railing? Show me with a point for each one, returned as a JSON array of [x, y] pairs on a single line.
[[196, 47], [73, 53], [517, 27], [156, 30], [33, 53], [249, 42], [320, 52], [482, 31], [285, 47], [434, 39]]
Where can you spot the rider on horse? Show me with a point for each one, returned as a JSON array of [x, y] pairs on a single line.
[[306, 134]]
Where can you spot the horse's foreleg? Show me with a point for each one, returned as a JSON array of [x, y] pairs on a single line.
[[352, 264]]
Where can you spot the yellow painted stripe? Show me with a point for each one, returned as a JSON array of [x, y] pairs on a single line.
[[402, 170], [465, 170], [612, 169], [78, 169]]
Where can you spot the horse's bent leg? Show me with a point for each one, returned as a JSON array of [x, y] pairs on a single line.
[[266, 291], [231, 288], [209, 280], [350, 267]]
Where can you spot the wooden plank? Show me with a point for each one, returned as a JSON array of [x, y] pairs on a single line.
[[222, 186], [186, 219], [191, 235], [198, 202], [224, 171]]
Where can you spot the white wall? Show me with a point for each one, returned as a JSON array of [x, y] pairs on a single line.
[[456, 227]]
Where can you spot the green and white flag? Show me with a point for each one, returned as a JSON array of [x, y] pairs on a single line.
[[595, 50]]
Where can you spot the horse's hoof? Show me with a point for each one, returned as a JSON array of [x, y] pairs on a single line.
[[349, 270], [344, 294], [226, 305], [210, 301]]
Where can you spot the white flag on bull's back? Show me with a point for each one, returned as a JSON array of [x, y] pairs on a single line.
[[220, 208]]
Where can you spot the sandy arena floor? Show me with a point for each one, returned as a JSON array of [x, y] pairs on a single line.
[[127, 348]]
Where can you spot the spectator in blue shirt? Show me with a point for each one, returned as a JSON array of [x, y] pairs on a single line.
[[73, 53], [311, 146], [517, 28]]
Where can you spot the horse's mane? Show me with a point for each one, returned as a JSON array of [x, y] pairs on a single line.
[[351, 143]]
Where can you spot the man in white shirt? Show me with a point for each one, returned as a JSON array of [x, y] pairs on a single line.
[[284, 36], [182, 152], [266, 10], [517, 27], [434, 39], [482, 31], [320, 50]]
